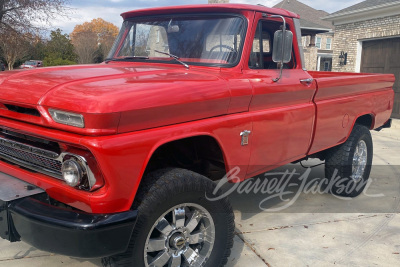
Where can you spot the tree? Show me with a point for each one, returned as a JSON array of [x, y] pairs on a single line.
[[86, 46], [14, 46], [60, 46], [24, 15], [19, 23], [37, 48], [59, 50], [51, 60], [92, 39]]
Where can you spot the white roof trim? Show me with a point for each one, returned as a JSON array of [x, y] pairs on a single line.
[[326, 55], [316, 29], [385, 10]]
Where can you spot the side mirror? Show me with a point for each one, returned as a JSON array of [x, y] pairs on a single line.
[[282, 41]]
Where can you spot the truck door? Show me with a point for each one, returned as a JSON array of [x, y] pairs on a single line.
[[282, 112]]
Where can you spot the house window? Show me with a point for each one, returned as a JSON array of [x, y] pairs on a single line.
[[318, 42], [327, 66], [305, 41], [329, 43]]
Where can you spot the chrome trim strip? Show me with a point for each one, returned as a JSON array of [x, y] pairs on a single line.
[[28, 148], [30, 166]]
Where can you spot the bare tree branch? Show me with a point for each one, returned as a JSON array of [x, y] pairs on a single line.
[[14, 46], [27, 15]]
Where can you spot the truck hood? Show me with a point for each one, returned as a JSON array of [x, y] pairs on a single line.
[[144, 96]]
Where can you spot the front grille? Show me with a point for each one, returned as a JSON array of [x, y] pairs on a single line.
[[30, 160], [23, 110]]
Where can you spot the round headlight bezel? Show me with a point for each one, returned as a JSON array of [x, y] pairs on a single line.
[[75, 175]]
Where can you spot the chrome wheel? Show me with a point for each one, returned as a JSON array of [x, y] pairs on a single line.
[[359, 161], [182, 236]]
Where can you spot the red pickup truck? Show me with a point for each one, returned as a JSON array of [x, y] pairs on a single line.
[[117, 160]]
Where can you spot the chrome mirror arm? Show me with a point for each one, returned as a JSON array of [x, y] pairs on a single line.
[[283, 45]]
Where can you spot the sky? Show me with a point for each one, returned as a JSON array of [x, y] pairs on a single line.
[[86, 10]]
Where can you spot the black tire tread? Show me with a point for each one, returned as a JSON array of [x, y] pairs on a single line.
[[341, 155], [156, 188]]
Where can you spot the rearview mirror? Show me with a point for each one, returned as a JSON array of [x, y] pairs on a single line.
[[172, 29], [285, 43]]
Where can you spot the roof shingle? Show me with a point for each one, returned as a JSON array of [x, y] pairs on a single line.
[[364, 4], [310, 17]]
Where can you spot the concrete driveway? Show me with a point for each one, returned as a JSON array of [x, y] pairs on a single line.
[[307, 229]]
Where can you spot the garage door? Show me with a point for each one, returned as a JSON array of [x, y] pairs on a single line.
[[383, 56]]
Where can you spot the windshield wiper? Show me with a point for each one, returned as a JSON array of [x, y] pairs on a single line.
[[174, 57], [127, 58]]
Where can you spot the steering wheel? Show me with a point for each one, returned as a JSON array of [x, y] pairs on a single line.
[[223, 46]]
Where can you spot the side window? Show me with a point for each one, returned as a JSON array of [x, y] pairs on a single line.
[[255, 61], [261, 52], [266, 42]]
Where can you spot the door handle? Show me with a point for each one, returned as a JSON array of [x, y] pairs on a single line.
[[307, 82]]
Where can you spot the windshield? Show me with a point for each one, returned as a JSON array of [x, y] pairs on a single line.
[[31, 63], [201, 40]]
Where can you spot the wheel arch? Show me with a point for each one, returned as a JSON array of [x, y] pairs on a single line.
[[365, 119], [368, 120], [202, 141], [205, 145]]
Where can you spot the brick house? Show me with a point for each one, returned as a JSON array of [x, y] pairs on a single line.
[[318, 34], [369, 34]]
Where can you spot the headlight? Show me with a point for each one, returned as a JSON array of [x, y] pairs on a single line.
[[67, 118], [72, 172]]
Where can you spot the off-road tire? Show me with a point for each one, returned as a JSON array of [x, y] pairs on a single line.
[[165, 189], [339, 163]]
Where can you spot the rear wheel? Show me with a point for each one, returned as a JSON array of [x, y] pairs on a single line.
[[177, 225], [350, 161]]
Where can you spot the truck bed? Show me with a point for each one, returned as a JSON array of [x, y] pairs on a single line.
[[341, 98]]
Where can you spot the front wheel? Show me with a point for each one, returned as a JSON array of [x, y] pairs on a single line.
[[177, 224], [350, 163]]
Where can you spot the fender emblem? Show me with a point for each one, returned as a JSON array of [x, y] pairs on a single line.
[[245, 137]]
